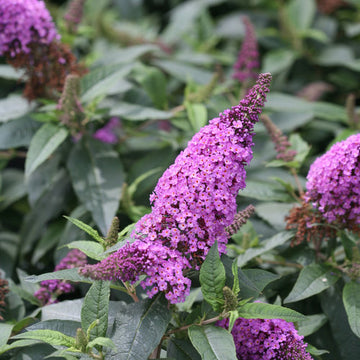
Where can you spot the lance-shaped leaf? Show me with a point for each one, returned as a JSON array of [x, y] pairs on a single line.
[[268, 311], [17, 344], [46, 140], [85, 227], [181, 349], [97, 176], [313, 279], [212, 342], [66, 274], [138, 329], [90, 248], [49, 336], [212, 278], [96, 307], [351, 299]]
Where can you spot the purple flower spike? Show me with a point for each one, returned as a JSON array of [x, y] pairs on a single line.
[[23, 22], [107, 134], [333, 185], [266, 339], [192, 204], [248, 58]]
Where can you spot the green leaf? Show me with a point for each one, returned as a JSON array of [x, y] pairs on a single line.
[[274, 213], [197, 114], [332, 305], [265, 191], [236, 284], [314, 351], [301, 13], [101, 341], [17, 344], [313, 279], [138, 329], [85, 227], [351, 299], [138, 112], [66, 327], [96, 307], [277, 61], [181, 349], [46, 140], [153, 81], [90, 248], [311, 324], [183, 72], [12, 187], [212, 342], [266, 245], [67, 274], [97, 175], [9, 72], [98, 81], [212, 278], [51, 337], [301, 147], [18, 132], [5, 332], [13, 107], [268, 311]]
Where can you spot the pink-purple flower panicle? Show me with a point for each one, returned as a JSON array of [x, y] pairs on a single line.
[[51, 289], [333, 185], [74, 14], [248, 57], [23, 22], [266, 339], [193, 202]]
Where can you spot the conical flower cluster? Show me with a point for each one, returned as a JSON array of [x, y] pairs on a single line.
[[266, 339], [333, 185], [23, 22], [192, 204]]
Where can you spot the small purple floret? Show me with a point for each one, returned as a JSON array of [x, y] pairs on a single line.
[[107, 134]]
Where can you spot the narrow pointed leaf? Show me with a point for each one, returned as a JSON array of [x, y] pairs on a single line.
[[268, 311], [49, 336], [17, 344], [351, 299], [46, 140], [313, 279], [67, 274], [88, 229], [212, 342], [212, 278], [96, 307]]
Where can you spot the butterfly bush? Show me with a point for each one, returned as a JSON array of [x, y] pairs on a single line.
[[50, 289], [266, 339], [107, 133], [192, 204], [248, 57], [333, 183], [23, 22]]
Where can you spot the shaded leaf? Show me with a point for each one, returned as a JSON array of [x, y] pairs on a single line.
[[13, 107], [85, 227], [212, 342], [138, 112], [138, 329], [17, 344], [312, 280], [18, 132], [181, 349], [97, 175], [265, 191], [351, 299], [311, 324], [266, 245], [46, 140]]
